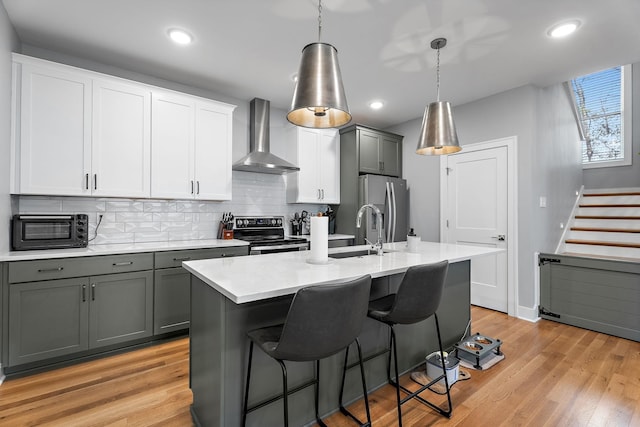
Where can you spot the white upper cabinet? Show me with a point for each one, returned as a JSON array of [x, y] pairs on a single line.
[[213, 146], [80, 133], [191, 148], [121, 143], [317, 154], [53, 126]]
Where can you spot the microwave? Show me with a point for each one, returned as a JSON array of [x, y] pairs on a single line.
[[49, 231]]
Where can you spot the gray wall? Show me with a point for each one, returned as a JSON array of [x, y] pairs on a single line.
[[622, 176], [548, 165], [8, 44]]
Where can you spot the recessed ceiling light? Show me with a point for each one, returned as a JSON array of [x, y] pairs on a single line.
[[376, 105], [180, 36], [563, 29]]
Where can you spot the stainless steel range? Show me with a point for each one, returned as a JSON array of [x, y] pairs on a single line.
[[266, 235]]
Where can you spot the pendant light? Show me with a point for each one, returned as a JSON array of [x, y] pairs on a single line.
[[438, 135], [318, 99]]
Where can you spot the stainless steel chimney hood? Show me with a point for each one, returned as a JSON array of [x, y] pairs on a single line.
[[259, 158]]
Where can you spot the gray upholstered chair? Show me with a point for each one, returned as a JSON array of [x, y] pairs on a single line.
[[322, 321], [417, 299]]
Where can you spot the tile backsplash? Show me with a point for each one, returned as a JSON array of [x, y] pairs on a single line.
[[152, 220]]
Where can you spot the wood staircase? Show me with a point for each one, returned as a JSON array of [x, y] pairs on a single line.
[[606, 224]]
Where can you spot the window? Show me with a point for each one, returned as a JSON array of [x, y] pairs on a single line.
[[603, 101]]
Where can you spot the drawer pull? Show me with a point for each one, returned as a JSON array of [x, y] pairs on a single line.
[[49, 270], [120, 264], [84, 293], [187, 258], [93, 292]]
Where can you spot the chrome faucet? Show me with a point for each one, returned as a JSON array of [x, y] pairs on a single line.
[[378, 244]]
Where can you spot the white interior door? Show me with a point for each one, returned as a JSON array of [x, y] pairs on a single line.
[[477, 214]]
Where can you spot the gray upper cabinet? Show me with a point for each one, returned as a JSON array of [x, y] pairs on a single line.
[[375, 151]]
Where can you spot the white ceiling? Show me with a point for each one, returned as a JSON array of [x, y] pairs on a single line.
[[251, 48]]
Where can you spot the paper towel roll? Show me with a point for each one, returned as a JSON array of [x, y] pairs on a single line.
[[319, 239]]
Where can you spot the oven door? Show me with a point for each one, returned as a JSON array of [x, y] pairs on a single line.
[[272, 249]]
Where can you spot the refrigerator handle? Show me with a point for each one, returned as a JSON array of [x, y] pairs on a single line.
[[387, 205], [394, 216]]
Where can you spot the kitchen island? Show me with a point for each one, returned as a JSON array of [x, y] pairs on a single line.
[[231, 296]]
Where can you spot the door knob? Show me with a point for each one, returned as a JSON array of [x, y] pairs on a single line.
[[500, 237]]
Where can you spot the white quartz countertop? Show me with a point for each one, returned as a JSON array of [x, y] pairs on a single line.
[[259, 277], [120, 248]]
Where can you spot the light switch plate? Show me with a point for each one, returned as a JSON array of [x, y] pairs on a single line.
[[543, 202]]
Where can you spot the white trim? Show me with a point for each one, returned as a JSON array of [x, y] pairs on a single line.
[[627, 121], [512, 211], [570, 221], [527, 313]]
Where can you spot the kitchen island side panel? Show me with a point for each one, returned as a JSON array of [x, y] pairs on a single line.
[[219, 353]]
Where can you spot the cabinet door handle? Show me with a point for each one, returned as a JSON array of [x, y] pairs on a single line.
[[187, 258], [322, 193], [49, 270], [93, 292], [191, 186], [382, 165], [86, 181], [84, 293], [95, 181], [120, 264], [197, 187]]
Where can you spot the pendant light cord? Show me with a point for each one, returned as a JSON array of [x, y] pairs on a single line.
[[319, 19], [438, 74]]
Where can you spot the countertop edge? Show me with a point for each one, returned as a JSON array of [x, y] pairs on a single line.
[[119, 248]]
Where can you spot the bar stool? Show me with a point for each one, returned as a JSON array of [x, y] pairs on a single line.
[[417, 299], [322, 321]]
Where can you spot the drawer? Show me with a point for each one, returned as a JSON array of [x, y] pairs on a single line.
[[47, 269], [175, 258]]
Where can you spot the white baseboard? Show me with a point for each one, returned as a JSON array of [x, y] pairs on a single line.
[[528, 313]]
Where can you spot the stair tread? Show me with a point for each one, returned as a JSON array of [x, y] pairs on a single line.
[[602, 243], [611, 205], [606, 230], [612, 194], [607, 217]]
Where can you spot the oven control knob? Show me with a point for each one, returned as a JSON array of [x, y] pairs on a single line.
[[273, 222], [279, 221]]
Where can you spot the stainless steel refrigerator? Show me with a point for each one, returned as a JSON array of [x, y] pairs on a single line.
[[389, 194]]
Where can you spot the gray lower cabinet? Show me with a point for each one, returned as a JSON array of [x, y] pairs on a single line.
[[172, 305], [60, 317], [59, 309], [171, 300], [47, 319]]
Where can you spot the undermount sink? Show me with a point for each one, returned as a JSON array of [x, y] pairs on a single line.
[[358, 253]]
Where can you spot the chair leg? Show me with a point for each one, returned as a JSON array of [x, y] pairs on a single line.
[[246, 392], [397, 383], [365, 395], [344, 410], [444, 372], [285, 394]]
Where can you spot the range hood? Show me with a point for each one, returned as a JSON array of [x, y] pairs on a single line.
[[259, 158]]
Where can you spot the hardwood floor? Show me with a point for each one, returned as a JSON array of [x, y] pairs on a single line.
[[553, 375]]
